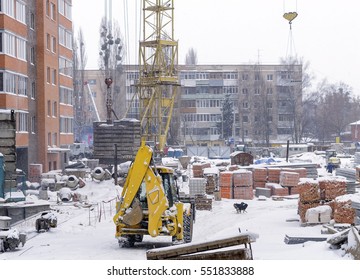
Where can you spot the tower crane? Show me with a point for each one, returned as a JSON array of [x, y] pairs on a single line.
[[158, 79]]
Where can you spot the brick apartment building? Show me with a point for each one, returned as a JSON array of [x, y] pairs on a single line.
[[36, 78]]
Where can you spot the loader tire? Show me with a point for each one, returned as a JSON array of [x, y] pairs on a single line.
[[188, 228]]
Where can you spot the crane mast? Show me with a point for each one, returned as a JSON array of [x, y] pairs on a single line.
[[158, 79]]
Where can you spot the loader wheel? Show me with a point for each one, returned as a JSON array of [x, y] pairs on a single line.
[[188, 228]]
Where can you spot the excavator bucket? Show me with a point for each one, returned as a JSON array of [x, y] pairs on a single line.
[[135, 215]]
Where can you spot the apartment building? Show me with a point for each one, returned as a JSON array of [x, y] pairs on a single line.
[[266, 102], [36, 78]]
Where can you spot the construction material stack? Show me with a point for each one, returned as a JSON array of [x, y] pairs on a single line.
[[309, 197], [243, 185], [225, 183], [124, 133]]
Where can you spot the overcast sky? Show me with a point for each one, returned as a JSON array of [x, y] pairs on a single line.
[[325, 33]]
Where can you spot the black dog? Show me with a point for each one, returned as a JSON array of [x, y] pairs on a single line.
[[240, 207]]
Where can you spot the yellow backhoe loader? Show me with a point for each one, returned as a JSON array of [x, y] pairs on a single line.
[[150, 204]]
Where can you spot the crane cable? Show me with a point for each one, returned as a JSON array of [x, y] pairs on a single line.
[[290, 16]]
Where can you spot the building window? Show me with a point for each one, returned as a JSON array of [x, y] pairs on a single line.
[[21, 49], [48, 75], [47, 7], [66, 125], [65, 67], [65, 37], [32, 124], [245, 119], [32, 55], [53, 44], [53, 11], [22, 86], [54, 139], [32, 21], [245, 91], [48, 41], [49, 139], [257, 91], [8, 7], [23, 121], [20, 12], [66, 96], [54, 77], [33, 90], [54, 109], [269, 77], [49, 108], [269, 90]]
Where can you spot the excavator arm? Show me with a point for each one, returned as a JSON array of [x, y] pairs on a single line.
[[129, 212]]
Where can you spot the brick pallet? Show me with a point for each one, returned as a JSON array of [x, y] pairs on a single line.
[[343, 211], [260, 177], [331, 188], [225, 192], [289, 179], [274, 175], [308, 192], [211, 183], [198, 169], [202, 202], [226, 179], [246, 193], [242, 178], [277, 189]]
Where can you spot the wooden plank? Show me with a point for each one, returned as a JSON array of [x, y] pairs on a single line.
[[301, 239], [191, 248], [236, 254]]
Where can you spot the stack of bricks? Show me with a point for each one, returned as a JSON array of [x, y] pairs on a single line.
[[233, 167], [277, 189], [198, 169], [202, 202], [330, 188], [243, 185], [309, 197], [259, 177], [211, 183], [225, 183], [290, 180], [343, 211], [301, 171], [274, 175]]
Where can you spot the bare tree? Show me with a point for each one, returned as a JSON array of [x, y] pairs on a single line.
[[80, 100], [111, 56], [191, 57]]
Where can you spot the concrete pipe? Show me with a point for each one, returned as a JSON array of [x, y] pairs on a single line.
[[98, 173], [65, 194], [72, 181]]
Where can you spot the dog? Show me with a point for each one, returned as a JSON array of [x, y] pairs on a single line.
[[240, 207]]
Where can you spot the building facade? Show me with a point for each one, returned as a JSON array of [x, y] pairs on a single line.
[[36, 78], [266, 102]]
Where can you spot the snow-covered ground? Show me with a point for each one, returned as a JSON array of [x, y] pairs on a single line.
[[86, 231]]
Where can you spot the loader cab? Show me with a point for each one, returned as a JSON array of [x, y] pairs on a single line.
[[169, 185]]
